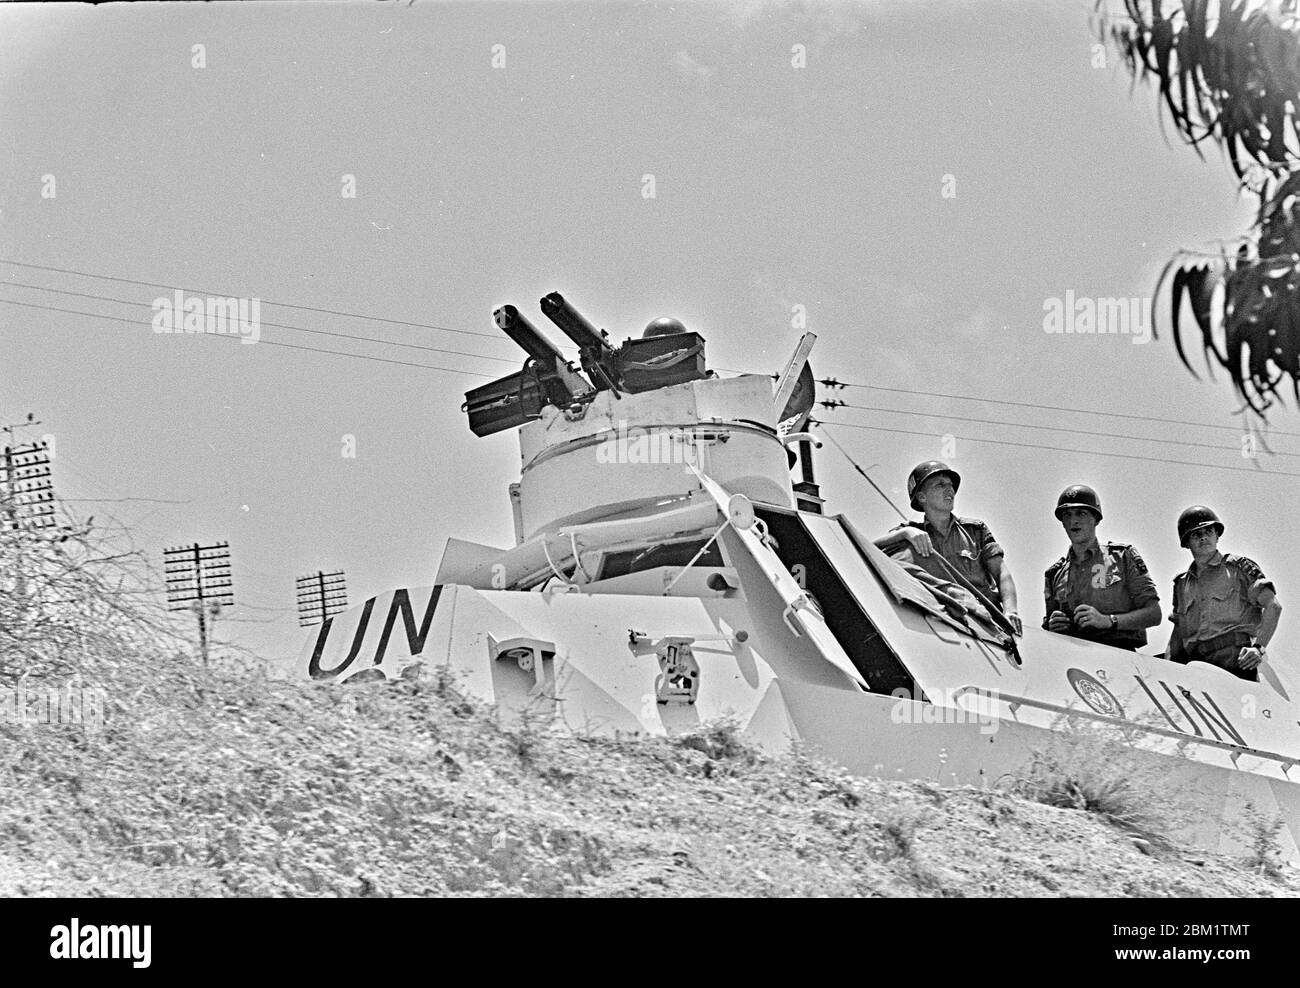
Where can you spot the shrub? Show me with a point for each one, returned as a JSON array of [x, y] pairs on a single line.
[[1089, 766]]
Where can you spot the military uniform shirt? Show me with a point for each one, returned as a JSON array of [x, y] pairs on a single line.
[[1112, 577], [969, 546], [1221, 597]]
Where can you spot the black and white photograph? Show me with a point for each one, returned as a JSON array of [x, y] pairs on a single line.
[[753, 449]]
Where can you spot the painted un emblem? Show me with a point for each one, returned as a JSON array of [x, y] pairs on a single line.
[[1094, 694]]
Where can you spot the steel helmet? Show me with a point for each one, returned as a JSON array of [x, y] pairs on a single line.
[[1078, 496], [1196, 517], [664, 326], [923, 472]]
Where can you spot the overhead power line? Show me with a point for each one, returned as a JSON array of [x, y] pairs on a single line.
[[455, 370], [280, 325], [285, 305], [1064, 449], [827, 382], [833, 383], [1027, 425], [290, 346]]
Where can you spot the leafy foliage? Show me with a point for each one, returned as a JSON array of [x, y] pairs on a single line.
[[1228, 71]]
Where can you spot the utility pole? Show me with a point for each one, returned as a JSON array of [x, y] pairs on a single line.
[[198, 579], [26, 494], [26, 489], [320, 596]]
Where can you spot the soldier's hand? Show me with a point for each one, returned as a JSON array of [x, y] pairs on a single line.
[[1019, 627], [1249, 658], [1058, 622], [1087, 616], [919, 541]]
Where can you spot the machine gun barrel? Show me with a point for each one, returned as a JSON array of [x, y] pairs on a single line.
[[574, 325], [558, 379], [529, 338], [594, 352]]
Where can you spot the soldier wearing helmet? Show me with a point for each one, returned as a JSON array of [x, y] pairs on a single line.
[[1100, 591], [966, 544], [1225, 609]]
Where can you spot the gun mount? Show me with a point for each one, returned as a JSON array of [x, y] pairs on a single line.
[[599, 360], [547, 378], [559, 380]]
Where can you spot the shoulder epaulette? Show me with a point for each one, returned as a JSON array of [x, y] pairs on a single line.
[[1246, 565]]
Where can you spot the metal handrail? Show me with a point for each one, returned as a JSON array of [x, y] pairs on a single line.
[[1236, 750]]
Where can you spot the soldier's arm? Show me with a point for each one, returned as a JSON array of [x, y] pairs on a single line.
[[892, 539], [1175, 651], [1007, 586], [994, 559], [1272, 608], [1146, 616], [1142, 591], [905, 535], [1260, 592], [1049, 602]]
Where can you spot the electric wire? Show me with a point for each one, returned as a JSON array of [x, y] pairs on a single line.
[[1049, 428], [834, 384], [280, 325], [1069, 449], [829, 382], [290, 346], [452, 370], [285, 305]]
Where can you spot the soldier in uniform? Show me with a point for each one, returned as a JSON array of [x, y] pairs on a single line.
[[966, 543], [1225, 609], [1100, 591]]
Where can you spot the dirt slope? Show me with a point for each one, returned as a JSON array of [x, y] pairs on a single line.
[[229, 784]]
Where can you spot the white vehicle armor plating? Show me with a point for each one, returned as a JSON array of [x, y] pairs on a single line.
[[653, 593]]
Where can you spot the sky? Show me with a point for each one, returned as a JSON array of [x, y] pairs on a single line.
[[924, 184]]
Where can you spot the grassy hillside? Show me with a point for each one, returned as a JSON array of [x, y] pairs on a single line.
[[230, 784], [223, 782]]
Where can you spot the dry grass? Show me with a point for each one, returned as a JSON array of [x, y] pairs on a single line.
[[1089, 766], [1262, 832], [222, 782]]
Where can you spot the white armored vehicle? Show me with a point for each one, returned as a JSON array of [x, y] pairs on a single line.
[[671, 564]]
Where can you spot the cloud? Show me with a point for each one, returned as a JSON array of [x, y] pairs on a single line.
[[914, 303], [773, 291], [691, 69], [982, 324], [819, 22]]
